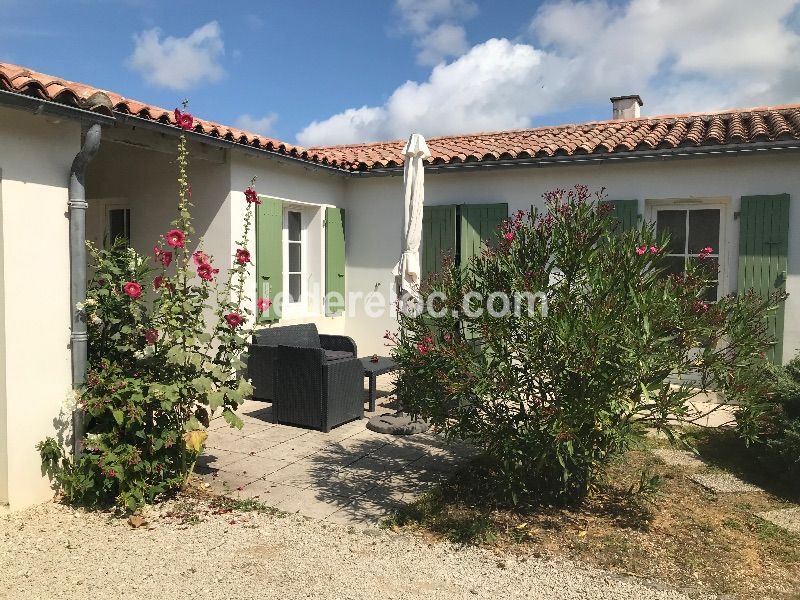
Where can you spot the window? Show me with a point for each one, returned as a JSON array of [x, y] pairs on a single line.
[[119, 225], [295, 256], [692, 229]]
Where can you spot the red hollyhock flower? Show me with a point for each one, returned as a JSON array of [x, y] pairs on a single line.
[[183, 120], [158, 281], [242, 256], [163, 256], [175, 238], [150, 336], [234, 319], [263, 304], [200, 258], [132, 289], [251, 196], [206, 272]]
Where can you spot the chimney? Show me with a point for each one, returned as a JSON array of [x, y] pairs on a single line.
[[626, 107]]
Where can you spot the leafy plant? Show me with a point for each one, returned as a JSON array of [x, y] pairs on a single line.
[[588, 341], [166, 345]]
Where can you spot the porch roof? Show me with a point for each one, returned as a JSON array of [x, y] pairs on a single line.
[[727, 130]]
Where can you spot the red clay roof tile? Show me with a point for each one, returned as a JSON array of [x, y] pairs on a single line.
[[737, 126]]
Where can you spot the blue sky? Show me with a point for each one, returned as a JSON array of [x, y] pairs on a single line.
[[325, 72]]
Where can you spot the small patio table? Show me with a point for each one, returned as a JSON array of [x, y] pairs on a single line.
[[372, 369]]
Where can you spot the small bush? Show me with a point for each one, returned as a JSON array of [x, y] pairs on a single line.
[[769, 415], [552, 395]]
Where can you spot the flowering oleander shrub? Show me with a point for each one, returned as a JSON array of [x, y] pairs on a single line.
[[555, 348], [166, 345]]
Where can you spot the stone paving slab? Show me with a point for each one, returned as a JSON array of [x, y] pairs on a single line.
[[724, 483], [679, 458], [349, 475], [787, 518]]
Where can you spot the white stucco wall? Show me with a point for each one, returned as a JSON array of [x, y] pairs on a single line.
[[374, 209], [35, 157], [292, 183], [146, 179]]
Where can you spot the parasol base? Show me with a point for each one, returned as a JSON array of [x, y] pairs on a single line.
[[397, 424]]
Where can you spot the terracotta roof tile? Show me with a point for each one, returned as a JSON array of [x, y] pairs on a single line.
[[738, 126]]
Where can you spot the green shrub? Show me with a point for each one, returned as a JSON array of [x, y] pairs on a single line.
[[552, 395], [769, 415], [166, 347]]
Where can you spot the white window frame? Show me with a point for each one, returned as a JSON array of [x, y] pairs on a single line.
[[301, 305], [652, 207]]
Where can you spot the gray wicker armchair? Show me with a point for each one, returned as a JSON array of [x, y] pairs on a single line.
[[312, 380]]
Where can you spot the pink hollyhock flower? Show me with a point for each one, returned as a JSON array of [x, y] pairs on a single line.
[[653, 250], [200, 258], [183, 120], [175, 238], [150, 336], [206, 272], [234, 319], [132, 289], [509, 236], [263, 304], [242, 256], [251, 196], [641, 250]]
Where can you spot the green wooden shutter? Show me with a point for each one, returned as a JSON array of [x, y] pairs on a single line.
[[334, 260], [626, 214], [269, 253], [479, 224], [763, 247], [438, 236]]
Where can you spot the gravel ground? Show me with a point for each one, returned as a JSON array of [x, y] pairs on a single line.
[[788, 518], [52, 551], [724, 483]]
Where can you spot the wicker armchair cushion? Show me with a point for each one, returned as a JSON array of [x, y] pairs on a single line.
[[331, 355], [300, 336]]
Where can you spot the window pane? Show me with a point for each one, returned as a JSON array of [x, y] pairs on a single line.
[[710, 265], [672, 222], [703, 230], [710, 294], [674, 265], [294, 226], [294, 258], [294, 288], [118, 224]]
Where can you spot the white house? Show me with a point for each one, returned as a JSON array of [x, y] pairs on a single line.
[[331, 218]]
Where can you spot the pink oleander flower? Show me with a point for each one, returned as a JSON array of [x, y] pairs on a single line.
[[206, 272], [175, 238], [132, 289], [251, 196], [641, 250], [422, 348], [509, 236], [705, 252], [263, 304], [234, 319], [653, 250], [183, 120], [151, 336], [242, 256], [200, 258]]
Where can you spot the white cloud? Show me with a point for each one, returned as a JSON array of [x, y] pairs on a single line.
[[261, 125], [679, 55], [179, 63], [434, 25]]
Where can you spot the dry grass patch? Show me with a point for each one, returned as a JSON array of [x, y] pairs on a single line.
[[662, 526]]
